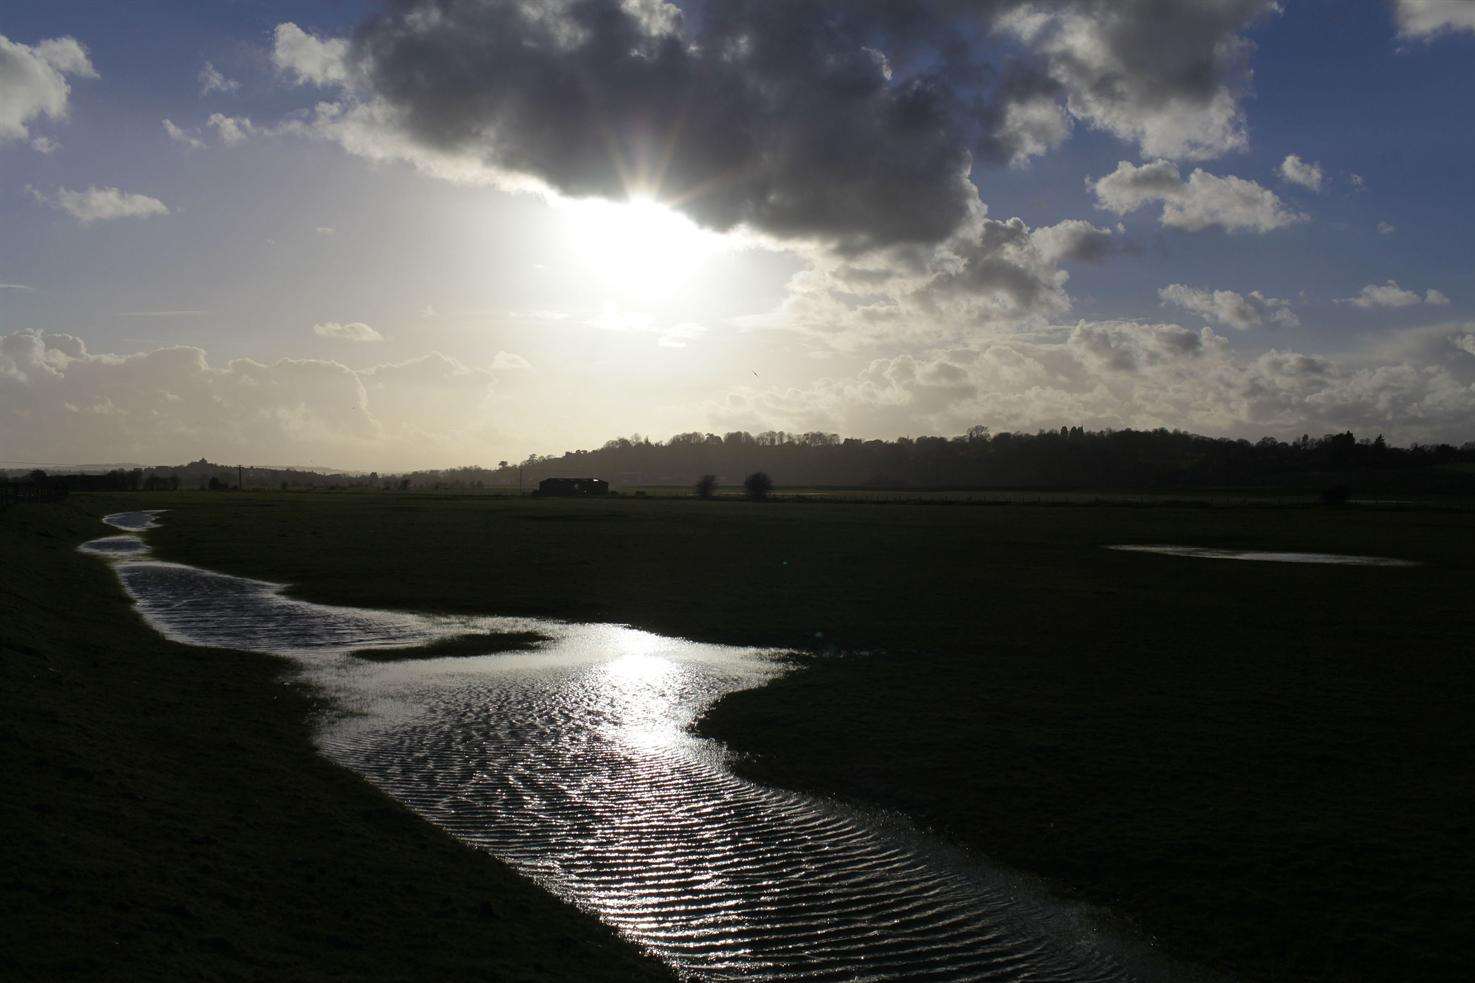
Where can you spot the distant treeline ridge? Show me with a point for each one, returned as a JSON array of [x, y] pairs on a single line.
[[1071, 457]]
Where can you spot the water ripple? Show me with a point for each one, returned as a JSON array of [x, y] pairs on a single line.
[[575, 764]]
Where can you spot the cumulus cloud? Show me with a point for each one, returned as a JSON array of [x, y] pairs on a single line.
[[1302, 172], [1203, 201], [211, 80], [995, 274], [1179, 99], [33, 82], [181, 136], [1075, 239], [44, 145], [853, 126], [231, 129], [1113, 374], [1422, 20], [100, 204], [1386, 228], [510, 362], [347, 331], [1390, 294], [1239, 311], [59, 401], [307, 59]]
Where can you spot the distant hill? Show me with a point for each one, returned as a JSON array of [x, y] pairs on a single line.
[[1071, 457]]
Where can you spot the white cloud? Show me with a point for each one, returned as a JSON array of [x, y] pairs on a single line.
[[510, 362], [307, 59], [1075, 239], [100, 204], [17, 286], [181, 136], [326, 231], [58, 401], [1239, 311], [1426, 19], [44, 145], [993, 275], [1386, 228], [1298, 171], [346, 331], [211, 80], [1390, 294], [1359, 183], [1203, 201], [1033, 127], [1179, 100], [33, 82], [231, 129], [1114, 374]]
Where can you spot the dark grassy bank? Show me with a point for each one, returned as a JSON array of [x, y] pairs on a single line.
[[1270, 768], [165, 816], [485, 643]]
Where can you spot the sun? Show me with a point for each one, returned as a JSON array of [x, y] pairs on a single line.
[[639, 248]]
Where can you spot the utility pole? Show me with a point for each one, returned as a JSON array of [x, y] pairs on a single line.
[[240, 478], [519, 481]]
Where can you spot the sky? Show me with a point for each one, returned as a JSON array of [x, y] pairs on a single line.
[[432, 233]]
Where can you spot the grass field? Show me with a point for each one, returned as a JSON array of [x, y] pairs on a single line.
[[1265, 767], [166, 816]]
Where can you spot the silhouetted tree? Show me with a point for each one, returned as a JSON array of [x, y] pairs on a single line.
[[706, 485], [758, 485]]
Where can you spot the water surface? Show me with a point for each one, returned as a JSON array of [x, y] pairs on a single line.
[[575, 764], [1268, 556]]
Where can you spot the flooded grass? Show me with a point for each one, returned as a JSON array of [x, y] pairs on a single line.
[[478, 643], [1265, 766], [166, 815]]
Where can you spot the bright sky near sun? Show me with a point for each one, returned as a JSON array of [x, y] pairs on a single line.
[[439, 233]]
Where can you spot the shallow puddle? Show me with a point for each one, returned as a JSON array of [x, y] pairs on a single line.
[[1269, 556], [575, 764]]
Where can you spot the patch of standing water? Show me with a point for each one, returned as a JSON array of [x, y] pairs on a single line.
[[1269, 556], [575, 764], [115, 546]]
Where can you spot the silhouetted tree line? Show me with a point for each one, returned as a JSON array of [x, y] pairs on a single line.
[[1071, 457]]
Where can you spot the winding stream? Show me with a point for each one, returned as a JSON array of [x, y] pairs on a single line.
[[574, 763]]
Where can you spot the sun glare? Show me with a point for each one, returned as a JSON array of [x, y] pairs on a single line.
[[640, 247]]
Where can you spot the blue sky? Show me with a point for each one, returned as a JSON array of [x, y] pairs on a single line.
[[421, 279]]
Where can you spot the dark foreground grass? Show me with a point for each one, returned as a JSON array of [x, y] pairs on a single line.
[[1268, 768], [479, 643], [164, 815]]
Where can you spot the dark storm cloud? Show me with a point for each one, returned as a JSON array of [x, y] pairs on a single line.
[[853, 124], [778, 116]]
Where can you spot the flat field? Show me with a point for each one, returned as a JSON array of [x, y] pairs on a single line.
[[1269, 768]]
